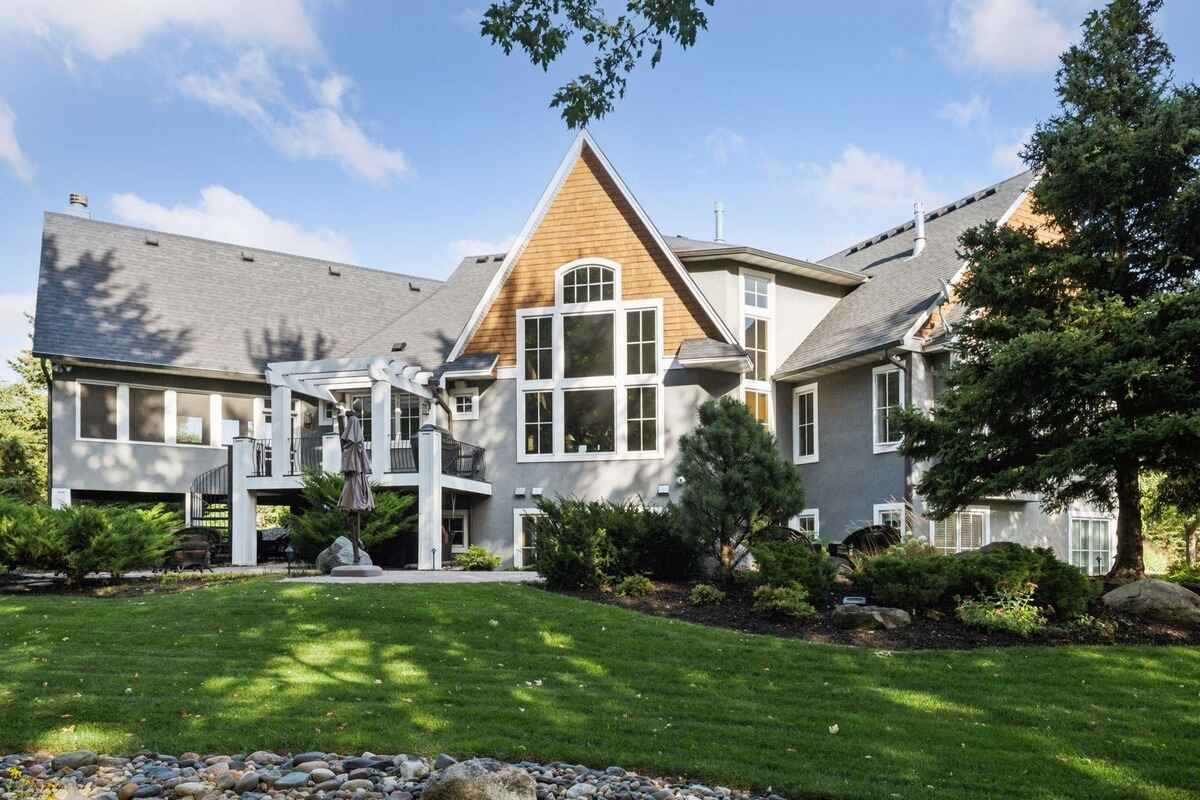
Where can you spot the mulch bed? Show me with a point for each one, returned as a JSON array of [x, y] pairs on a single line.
[[933, 631]]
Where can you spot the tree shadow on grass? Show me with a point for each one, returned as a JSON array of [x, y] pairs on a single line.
[[516, 672]]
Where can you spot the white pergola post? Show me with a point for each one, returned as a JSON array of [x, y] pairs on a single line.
[[429, 498], [331, 453], [243, 506], [281, 431], [381, 427]]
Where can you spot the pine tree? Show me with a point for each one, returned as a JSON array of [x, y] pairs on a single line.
[[736, 484], [1080, 354]]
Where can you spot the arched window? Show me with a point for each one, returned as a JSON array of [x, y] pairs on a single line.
[[587, 284]]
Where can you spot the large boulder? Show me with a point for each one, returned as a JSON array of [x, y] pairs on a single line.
[[341, 554], [870, 617], [480, 779], [1157, 600]]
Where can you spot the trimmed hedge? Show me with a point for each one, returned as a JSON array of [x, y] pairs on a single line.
[[781, 563]]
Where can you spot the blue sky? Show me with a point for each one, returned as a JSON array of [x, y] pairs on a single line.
[[394, 136]]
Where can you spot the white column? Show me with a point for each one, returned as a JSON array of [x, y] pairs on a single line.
[[243, 506], [281, 431], [381, 428], [331, 453], [429, 498], [123, 412], [216, 435]]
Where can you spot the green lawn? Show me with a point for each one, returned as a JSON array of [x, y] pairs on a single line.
[[513, 671]]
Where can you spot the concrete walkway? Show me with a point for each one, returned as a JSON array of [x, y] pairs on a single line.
[[413, 576]]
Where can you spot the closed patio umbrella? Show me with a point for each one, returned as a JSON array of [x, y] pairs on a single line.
[[356, 467]]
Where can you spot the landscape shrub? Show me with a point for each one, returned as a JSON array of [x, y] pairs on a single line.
[[1064, 588], [793, 561], [476, 559], [1010, 609], [1180, 572], [784, 601], [908, 579], [585, 544], [113, 539], [634, 586], [982, 573], [29, 537], [705, 594], [315, 528]]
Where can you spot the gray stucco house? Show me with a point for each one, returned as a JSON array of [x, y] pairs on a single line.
[[208, 373]]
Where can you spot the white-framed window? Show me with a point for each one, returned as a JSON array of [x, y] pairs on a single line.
[[891, 515], [805, 448], [406, 417], [464, 403], [96, 411], [457, 525], [969, 529], [887, 397], [756, 290], [759, 404], [808, 521], [523, 536], [1092, 541], [148, 413], [237, 418], [589, 370]]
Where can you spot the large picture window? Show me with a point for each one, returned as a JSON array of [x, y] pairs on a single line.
[[587, 345], [97, 411], [888, 398], [589, 421], [588, 370], [147, 414]]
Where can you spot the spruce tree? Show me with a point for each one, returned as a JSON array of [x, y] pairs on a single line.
[[1080, 352]]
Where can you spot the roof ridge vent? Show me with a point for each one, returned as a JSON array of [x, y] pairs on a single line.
[[335, 270], [247, 256]]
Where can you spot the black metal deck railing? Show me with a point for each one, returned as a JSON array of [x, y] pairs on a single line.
[[404, 456], [462, 460], [306, 452], [260, 458]]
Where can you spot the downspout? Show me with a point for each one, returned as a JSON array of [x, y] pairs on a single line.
[[48, 376]]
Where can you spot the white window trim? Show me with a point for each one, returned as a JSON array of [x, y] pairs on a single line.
[[756, 311], [815, 456], [815, 513], [170, 420], [767, 315], [518, 515], [116, 412], [879, 508], [986, 511], [473, 393], [1083, 515], [466, 518], [619, 382], [877, 446]]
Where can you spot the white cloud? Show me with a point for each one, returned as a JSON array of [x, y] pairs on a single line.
[[723, 144], [10, 149], [14, 327], [965, 113], [227, 216], [252, 90], [860, 180], [105, 29], [1011, 35], [461, 248], [1008, 155]]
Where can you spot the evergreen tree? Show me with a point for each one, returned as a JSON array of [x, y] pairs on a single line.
[[736, 483], [23, 430], [1080, 351]]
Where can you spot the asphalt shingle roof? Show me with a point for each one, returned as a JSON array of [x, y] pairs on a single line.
[[879, 313], [106, 293]]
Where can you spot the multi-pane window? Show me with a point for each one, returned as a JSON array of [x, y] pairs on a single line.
[[641, 415], [589, 421], [147, 414], [191, 418], [539, 422], [587, 285], [759, 403], [237, 418], [964, 530], [464, 405], [587, 345], [539, 348], [890, 515], [804, 408], [807, 522], [455, 523], [97, 411], [524, 539], [641, 342], [755, 290], [755, 337], [1091, 545], [888, 395], [406, 416], [360, 404]]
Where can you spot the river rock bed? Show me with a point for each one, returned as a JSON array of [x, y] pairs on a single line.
[[267, 775]]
